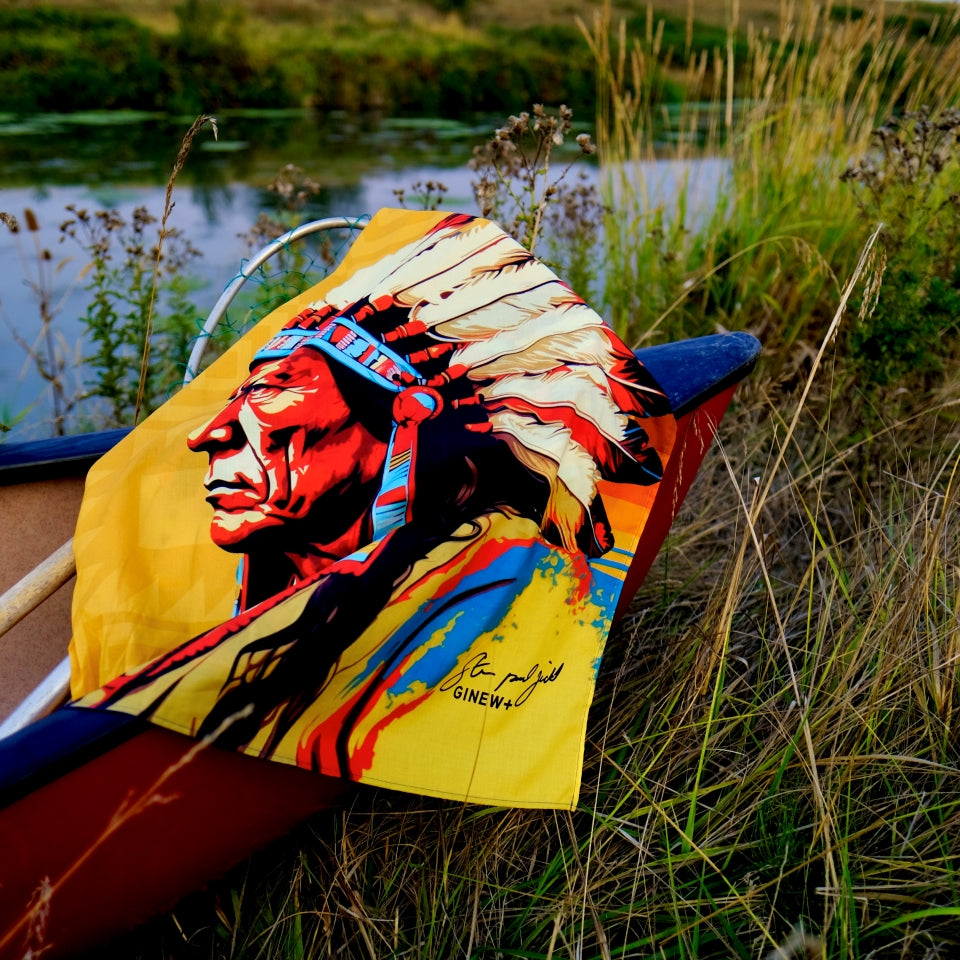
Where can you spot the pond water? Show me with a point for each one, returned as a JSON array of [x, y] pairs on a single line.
[[122, 160]]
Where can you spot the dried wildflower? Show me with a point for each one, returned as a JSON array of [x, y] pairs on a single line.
[[514, 177], [293, 187], [10, 221], [429, 195], [265, 229], [142, 218], [32, 225], [587, 146]]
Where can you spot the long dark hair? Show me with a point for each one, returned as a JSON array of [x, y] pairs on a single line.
[[460, 475]]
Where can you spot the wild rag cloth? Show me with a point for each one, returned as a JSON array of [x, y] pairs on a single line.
[[384, 535]]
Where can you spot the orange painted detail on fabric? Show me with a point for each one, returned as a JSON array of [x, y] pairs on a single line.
[[582, 578], [413, 328], [629, 494]]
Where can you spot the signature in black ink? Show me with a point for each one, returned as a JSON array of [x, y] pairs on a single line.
[[533, 678], [471, 670]]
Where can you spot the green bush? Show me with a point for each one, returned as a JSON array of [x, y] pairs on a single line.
[[911, 184], [60, 61], [447, 78], [52, 60]]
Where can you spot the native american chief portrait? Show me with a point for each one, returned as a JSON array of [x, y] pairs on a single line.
[[424, 480]]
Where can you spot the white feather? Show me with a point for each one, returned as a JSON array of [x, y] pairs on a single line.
[[427, 268], [575, 467], [582, 389], [480, 314], [543, 343]]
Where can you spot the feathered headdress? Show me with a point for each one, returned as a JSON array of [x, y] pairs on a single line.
[[465, 317]]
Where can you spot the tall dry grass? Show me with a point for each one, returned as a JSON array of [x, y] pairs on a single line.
[[773, 757], [785, 122]]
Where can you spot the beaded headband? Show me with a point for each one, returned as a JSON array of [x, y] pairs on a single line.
[[345, 341]]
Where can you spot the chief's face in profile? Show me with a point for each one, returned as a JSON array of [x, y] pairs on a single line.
[[283, 450]]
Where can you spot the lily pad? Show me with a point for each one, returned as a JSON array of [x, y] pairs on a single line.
[[104, 118], [225, 146]]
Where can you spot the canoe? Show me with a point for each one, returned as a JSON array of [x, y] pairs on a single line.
[[105, 820], [41, 485]]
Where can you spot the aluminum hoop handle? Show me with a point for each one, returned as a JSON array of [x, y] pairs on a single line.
[[249, 268]]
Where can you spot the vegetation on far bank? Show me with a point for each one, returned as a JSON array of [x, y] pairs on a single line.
[[434, 57]]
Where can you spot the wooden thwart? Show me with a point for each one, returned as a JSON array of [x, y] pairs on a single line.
[[23, 597], [31, 590]]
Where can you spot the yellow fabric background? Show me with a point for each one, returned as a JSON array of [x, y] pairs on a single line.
[[148, 576]]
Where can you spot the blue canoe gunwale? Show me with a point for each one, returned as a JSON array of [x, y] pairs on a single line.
[[47, 765]]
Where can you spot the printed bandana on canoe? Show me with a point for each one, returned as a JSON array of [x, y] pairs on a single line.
[[383, 537]]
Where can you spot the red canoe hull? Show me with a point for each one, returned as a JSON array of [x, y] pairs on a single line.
[[126, 834], [120, 837]]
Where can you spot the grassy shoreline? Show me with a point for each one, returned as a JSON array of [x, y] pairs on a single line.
[[773, 756]]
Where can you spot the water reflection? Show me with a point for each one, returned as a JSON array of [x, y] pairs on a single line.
[[122, 160]]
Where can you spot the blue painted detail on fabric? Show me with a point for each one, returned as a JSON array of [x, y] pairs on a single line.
[[387, 518], [605, 593], [487, 596], [513, 569], [239, 578], [553, 567], [349, 355]]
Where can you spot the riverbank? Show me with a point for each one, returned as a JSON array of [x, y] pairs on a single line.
[[772, 765], [444, 58]]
